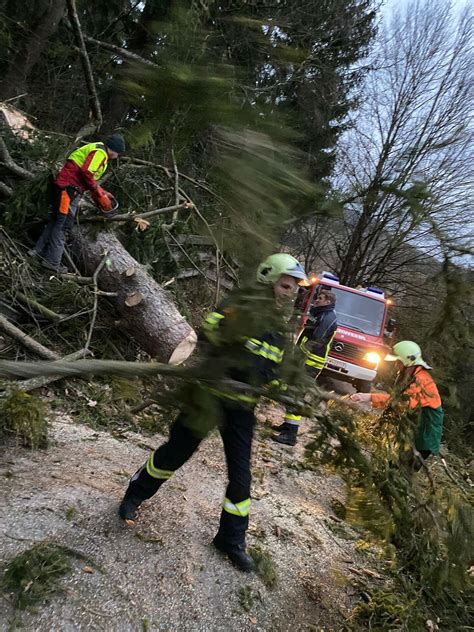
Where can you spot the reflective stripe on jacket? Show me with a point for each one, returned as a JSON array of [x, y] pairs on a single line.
[[316, 338], [244, 337]]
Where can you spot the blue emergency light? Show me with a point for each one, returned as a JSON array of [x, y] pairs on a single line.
[[330, 276], [375, 290]]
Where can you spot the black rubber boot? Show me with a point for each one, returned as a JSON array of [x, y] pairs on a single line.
[[287, 437], [282, 427], [128, 509], [236, 554], [49, 266]]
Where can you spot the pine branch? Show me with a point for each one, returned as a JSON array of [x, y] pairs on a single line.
[[42, 380], [127, 369]]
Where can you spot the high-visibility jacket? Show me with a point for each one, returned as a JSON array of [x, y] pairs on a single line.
[[421, 394], [422, 391], [84, 167], [316, 338], [246, 334]]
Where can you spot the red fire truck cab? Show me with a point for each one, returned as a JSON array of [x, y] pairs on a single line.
[[364, 330]]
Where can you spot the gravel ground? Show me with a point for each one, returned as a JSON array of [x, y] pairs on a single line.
[[163, 574]]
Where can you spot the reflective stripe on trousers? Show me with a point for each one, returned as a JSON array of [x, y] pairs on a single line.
[[293, 420], [237, 509], [156, 472]]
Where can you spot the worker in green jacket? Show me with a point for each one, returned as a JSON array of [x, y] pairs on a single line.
[[242, 340]]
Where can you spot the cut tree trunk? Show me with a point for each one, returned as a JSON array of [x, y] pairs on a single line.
[[153, 321]]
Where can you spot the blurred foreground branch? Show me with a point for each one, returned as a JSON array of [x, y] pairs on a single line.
[[63, 368]]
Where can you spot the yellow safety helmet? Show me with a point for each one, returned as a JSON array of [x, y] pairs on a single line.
[[274, 266], [409, 354]]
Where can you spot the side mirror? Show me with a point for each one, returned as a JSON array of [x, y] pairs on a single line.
[[391, 325]]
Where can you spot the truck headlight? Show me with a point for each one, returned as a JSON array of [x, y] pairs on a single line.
[[372, 357]]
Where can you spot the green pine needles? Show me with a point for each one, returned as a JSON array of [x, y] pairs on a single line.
[[23, 416]]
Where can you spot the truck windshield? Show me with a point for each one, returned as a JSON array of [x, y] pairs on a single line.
[[361, 313]]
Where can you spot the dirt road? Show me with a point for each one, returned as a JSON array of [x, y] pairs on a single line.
[[164, 574]]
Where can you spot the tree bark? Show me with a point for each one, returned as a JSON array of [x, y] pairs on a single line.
[[155, 323]]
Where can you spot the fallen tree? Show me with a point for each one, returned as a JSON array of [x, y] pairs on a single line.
[[146, 310]]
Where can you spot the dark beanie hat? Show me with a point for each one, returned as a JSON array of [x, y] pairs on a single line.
[[115, 142]]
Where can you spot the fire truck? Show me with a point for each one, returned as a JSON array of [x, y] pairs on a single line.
[[364, 330]]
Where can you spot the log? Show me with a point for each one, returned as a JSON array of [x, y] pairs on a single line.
[[154, 321], [26, 341]]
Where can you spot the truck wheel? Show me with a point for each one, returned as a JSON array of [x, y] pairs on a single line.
[[363, 386]]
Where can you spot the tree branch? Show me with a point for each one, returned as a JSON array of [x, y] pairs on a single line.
[[41, 309], [96, 299], [143, 369], [18, 335], [5, 190], [43, 380], [7, 161], [86, 64], [121, 52], [130, 217]]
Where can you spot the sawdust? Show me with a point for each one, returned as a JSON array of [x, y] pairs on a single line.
[[164, 574]]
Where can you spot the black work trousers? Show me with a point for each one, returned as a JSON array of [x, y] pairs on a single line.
[[50, 245], [236, 426]]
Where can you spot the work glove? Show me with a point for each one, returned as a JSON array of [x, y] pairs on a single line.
[[102, 198]]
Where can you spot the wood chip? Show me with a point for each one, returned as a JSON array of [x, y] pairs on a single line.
[[142, 224], [370, 573], [364, 571]]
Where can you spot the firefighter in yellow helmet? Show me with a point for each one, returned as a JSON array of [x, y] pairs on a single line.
[[242, 340], [81, 172]]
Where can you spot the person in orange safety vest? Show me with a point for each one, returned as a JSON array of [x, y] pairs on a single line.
[[421, 395]]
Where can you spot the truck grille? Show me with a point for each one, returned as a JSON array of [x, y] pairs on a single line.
[[348, 350]]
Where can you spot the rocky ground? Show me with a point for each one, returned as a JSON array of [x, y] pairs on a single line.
[[164, 574]]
